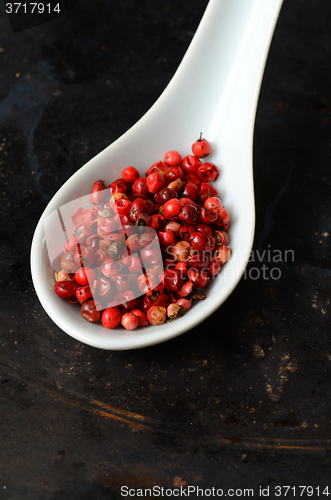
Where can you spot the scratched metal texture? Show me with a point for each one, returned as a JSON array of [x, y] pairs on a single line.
[[242, 400]]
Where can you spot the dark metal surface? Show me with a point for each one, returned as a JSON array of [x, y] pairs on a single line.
[[242, 400]]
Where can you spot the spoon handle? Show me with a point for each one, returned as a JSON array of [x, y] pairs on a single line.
[[221, 72]]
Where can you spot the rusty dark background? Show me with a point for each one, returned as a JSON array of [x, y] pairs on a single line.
[[242, 400]]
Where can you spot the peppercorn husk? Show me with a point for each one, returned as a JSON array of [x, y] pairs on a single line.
[[174, 311], [199, 293], [64, 276], [113, 249]]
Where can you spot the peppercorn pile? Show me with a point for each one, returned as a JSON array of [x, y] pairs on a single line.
[[148, 245]]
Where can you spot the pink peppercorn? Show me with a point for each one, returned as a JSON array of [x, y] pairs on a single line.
[[130, 321], [157, 315]]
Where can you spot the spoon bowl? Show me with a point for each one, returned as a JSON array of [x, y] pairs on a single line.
[[214, 91]]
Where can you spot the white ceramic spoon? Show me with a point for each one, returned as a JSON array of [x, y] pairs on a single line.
[[214, 91]]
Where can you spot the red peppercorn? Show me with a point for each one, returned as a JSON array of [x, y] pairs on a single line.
[[125, 220], [199, 261], [150, 207], [191, 191], [142, 317], [220, 237], [84, 256], [171, 208], [123, 206], [109, 267], [158, 296], [182, 267], [130, 174], [139, 186], [138, 206], [208, 172], [129, 300], [186, 232], [156, 220], [186, 290], [173, 280], [99, 193], [165, 194], [194, 179], [93, 242], [155, 182], [174, 173], [199, 241], [71, 244], [146, 239], [111, 246], [186, 303], [107, 226], [111, 317], [82, 232], [207, 217], [204, 229], [112, 238], [207, 191], [66, 289], [188, 214], [119, 186], [151, 255], [223, 218], [176, 185], [84, 276], [90, 215], [188, 201], [199, 279], [135, 266], [158, 167], [145, 303], [130, 321], [146, 283], [222, 253], [84, 293], [122, 282], [132, 242], [167, 238], [103, 289], [201, 148], [172, 158], [77, 218], [213, 204], [91, 310], [99, 256], [191, 164], [211, 244], [173, 225]]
